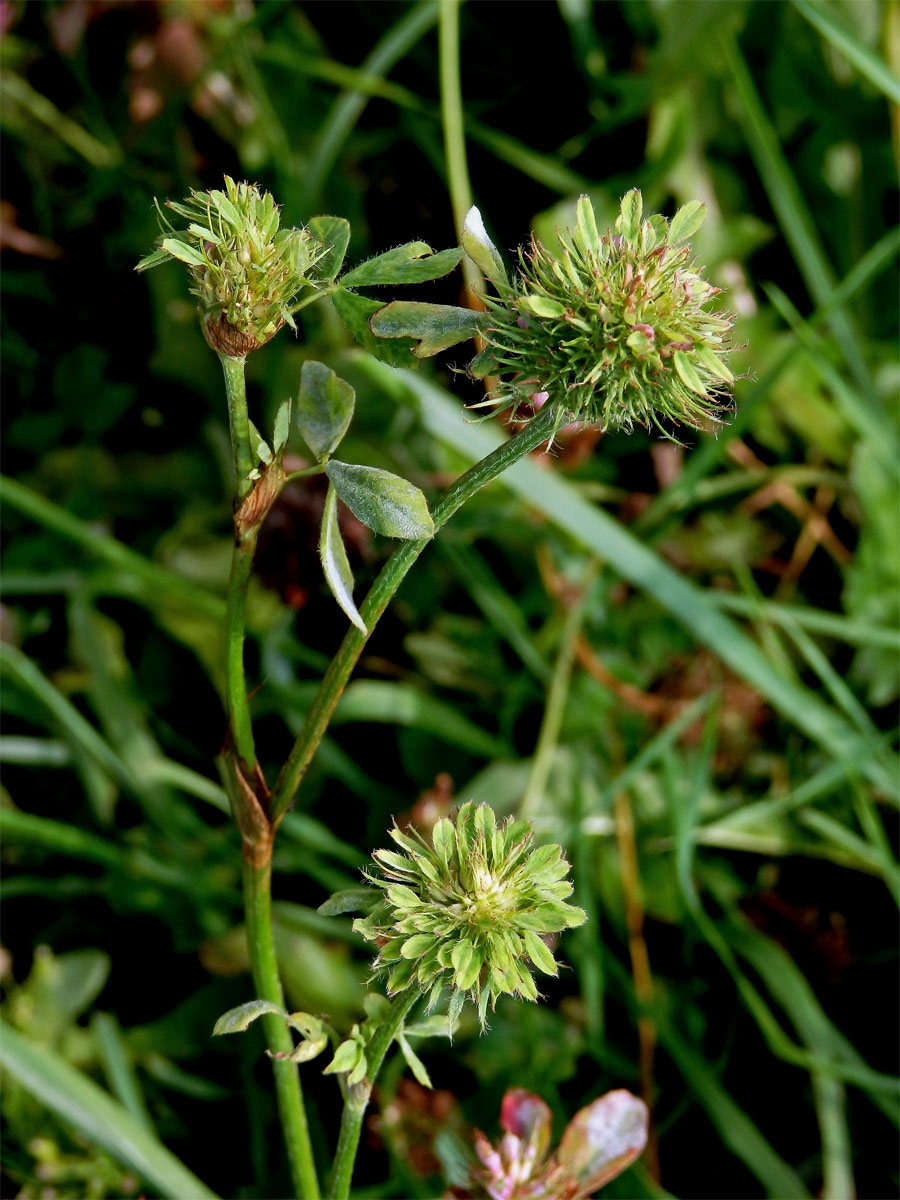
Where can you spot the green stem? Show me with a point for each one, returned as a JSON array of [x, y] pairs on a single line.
[[258, 912], [453, 120], [382, 591], [238, 423], [235, 630], [241, 566], [358, 1096], [316, 294], [305, 473], [258, 855]]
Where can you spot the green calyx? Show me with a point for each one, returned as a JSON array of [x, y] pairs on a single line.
[[468, 909], [617, 330], [245, 270]]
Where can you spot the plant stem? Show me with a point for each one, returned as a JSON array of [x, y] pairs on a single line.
[[241, 566], [238, 423], [453, 121], [235, 627], [539, 429], [358, 1096], [258, 854], [305, 473], [258, 913]]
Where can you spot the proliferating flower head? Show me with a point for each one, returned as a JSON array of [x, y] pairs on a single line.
[[616, 330], [599, 1142], [245, 270], [469, 909]]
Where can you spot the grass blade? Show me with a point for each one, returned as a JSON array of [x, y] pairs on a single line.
[[20, 670], [150, 579], [81, 1104], [790, 208], [348, 107], [813, 620], [847, 43], [117, 1067], [606, 538]]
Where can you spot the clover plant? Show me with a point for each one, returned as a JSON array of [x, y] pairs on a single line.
[[615, 329]]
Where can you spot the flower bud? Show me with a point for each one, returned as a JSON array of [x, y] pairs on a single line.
[[245, 270]]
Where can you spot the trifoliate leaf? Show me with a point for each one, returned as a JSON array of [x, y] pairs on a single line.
[[385, 502], [153, 260], [236, 1020], [359, 1071], [324, 408], [436, 327], [443, 840], [415, 262], [334, 235], [335, 564], [461, 956], [355, 311], [466, 979]]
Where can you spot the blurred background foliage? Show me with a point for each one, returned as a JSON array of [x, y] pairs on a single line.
[[680, 662]]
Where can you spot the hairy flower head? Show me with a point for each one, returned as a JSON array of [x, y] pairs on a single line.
[[468, 909], [245, 270], [617, 329]]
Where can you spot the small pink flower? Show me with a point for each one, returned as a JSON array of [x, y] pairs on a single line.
[[598, 1144]]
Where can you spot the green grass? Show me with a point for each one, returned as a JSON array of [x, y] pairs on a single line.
[[705, 637]]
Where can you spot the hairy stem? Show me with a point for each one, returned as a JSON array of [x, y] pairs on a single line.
[[382, 591], [358, 1096], [260, 940]]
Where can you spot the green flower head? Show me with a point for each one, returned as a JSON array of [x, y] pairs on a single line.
[[616, 330], [245, 270], [468, 910]]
